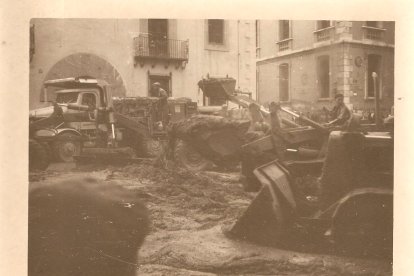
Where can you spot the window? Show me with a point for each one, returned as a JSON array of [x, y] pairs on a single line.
[[323, 76], [67, 97], [89, 99], [216, 31], [373, 30], [158, 28], [284, 29], [374, 65], [284, 82], [158, 37], [322, 24], [374, 24]]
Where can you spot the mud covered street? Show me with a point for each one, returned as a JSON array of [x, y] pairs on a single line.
[[188, 212]]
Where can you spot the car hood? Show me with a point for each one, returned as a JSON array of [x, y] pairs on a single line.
[[45, 111]]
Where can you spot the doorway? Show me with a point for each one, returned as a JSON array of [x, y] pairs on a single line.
[[158, 37], [374, 65], [165, 82]]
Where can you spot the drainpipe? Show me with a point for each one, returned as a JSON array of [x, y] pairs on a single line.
[[238, 54]]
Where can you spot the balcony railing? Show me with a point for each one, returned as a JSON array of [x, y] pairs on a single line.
[[285, 44], [149, 46], [373, 33], [324, 34]]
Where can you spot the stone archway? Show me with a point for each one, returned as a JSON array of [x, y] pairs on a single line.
[[85, 64]]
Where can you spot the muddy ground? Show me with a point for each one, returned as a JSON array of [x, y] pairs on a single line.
[[188, 212]]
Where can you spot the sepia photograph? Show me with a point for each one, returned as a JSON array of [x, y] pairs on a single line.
[[210, 146]]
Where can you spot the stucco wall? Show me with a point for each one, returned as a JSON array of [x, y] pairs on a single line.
[[268, 82], [268, 38], [112, 40], [302, 33]]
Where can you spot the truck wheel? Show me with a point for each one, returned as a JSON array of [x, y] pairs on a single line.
[[67, 147], [38, 159], [364, 226], [186, 156]]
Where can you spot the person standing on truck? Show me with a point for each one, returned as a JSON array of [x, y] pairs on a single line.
[[160, 93], [340, 114]]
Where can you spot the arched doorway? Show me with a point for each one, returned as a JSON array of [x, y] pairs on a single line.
[[85, 64]]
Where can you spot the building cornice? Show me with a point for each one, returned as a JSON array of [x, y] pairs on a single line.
[[321, 46]]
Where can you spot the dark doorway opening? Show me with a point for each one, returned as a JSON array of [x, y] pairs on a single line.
[[158, 37], [165, 82], [374, 65]]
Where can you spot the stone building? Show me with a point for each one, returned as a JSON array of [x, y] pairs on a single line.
[[308, 62], [133, 53]]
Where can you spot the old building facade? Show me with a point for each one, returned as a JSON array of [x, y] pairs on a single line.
[[130, 54], [308, 62]]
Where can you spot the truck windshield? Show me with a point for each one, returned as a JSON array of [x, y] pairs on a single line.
[[68, 97]]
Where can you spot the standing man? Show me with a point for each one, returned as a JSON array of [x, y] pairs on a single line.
[[160, 93], [340, 113]]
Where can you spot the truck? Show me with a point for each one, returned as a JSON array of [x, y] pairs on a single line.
[[85, 120]]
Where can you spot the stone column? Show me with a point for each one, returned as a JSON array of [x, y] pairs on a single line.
[[344, 61], [343, 30]]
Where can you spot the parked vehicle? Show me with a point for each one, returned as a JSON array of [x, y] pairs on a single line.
[[85, 120]]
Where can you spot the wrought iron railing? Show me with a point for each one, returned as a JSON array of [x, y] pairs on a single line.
[[373, 33], [285, 44], [158, 47], [324, 34]]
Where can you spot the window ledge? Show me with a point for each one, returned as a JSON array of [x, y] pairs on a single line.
[[217, 47], [325, 99], [324, 29], [284, 40], [371, 98], [374, 28]]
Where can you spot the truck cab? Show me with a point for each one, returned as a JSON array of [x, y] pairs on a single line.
[[73, 121], [74, 96]]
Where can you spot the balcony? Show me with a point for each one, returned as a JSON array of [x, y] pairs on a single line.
[[285, 44], [153, 49], [373, 33], [324, 34]]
